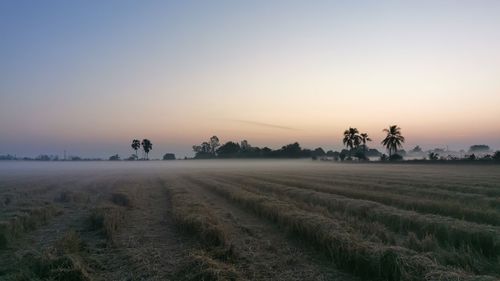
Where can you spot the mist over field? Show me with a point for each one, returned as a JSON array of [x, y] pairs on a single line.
[[248, 220]]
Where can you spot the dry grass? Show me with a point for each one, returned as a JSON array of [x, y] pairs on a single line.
[[192, 216], [255, 219], [449, 232], [62, 262], [107, 219], [366, 259], [15, 224], [121, 199], [200, 266], [450, 207], [68, 196]]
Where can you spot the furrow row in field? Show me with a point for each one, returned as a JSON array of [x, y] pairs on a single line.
[[422, 224], [258, 249], [455, 242], [473, 199], [426, 206], [438, 186], [468, 176], [466, 245], [193, 216], [367, 259], [460, 183], [366, 230]]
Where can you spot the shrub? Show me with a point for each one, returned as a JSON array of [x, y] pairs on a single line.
[[169, 156], [496, 156], [433, 156], [360, 155], [395, 157]]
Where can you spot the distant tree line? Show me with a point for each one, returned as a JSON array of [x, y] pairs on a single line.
[[355, 142], [356, 148], [214, 149], [46, 157]]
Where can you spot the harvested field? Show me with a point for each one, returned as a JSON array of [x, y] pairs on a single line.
[[249, 220]]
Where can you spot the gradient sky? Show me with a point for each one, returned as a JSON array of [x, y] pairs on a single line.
[[89, 76]]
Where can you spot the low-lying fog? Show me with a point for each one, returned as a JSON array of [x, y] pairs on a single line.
[[29, 167], [21, 169]]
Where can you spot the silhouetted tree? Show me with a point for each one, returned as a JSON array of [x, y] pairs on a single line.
[[248, 151], [319, 152], [433, 156], [213, 149], [290, 151], [43, 157], [266, 152], [416, 149], [342, 155], [229, 150], [115, 157], [364, 139], [147, 146], [7, 157], [496, 156], [245, 146], [136, 144], [169, 156], [214, 144], [393, 140], [482, 148], [133, 157], [204, 150], [352, 139]]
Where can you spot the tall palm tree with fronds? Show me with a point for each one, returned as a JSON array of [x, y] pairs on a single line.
[[352, 138], [394, 139], [147, 146], [364, 139], [136, 144]]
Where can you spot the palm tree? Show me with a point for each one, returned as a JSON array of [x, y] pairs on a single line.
[[365, 138], [147, 146], [394, 139], [351, 138], [136, 144]]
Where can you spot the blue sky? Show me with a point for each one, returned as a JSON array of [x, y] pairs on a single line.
[[88, 76]]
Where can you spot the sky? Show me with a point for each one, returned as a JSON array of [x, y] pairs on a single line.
[[89, 76]]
